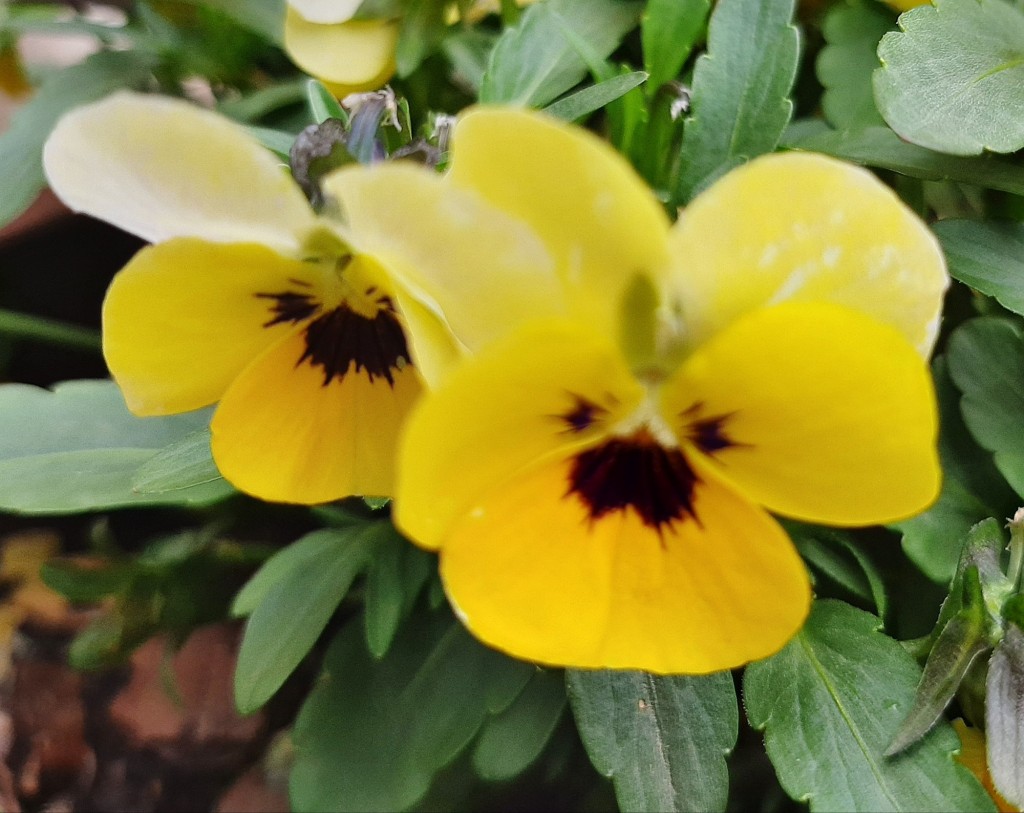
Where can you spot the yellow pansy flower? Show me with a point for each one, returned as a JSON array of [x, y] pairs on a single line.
[[974, 756], [247, 298], [598, 477]]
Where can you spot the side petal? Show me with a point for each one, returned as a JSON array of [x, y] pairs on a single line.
[[501, 412], [281, 434], [325, 11], [479, 269], [530, 573], [183, 318], [814, 411], [598, 218], [799, 227], [349, 56], [161, 168]]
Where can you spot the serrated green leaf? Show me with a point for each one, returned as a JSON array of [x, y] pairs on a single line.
[[829, 704], [986, 362], [668, 31], [21, 147], [988, 256], [77, 448], [960, 641], [952, 79], [662, 740], [845, 65], [183, 464], [881, 147], [585, 101], [1004, 723], [741, 88], [404, 717], [539, 59], [510, 742], [972, 489], [289, 613]]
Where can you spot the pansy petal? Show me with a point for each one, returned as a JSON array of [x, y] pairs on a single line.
[[161, 168], [184, 317], [281, 434], [531, 573], [350, 56], [800, 226], [814, 411], [481, 270], [578, 194], [502, 411], [326, 11]]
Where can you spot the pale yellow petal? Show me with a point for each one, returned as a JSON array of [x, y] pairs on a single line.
[[350, 56], [326, 11]]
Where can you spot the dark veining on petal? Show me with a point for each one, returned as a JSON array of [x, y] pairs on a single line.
[[708, 434], [639, 473], [290, 306], [582, 415], [342, 337]]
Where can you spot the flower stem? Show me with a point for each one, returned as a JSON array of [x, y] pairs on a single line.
[[36, 328]]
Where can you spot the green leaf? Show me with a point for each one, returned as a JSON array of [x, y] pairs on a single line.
[[832, 554], [829, 704], [961, 640], [21, 147], [183, 464], [972, 489], [511, 741], [844, 67], [396, 575], [540, 58], [82, 583], [952, 79], [741, 90], [289, 613], [668, 31], [662, 740], [77, 448], [986, 362], [881, 147], [422, 28], [265, 18], [585, 101], [469, 50], [322, 104], [373, 733], [1004, 723], [988, 256], [37, 328]]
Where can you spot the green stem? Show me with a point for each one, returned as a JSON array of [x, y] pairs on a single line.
[[36, 328], [1016, 564]]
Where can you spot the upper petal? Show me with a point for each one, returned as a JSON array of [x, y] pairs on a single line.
[[814, 411], [185, 317], [508, 409], [349, 56], [161, 168], [531, 573], [326, 11], [799, 226], [594, 213], [479, 269]]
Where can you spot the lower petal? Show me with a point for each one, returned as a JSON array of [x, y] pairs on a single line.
[[531, 573], [184, 318], [814, 411], [281, 434]]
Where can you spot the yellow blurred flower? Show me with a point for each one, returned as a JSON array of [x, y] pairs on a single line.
[[974, 756], [597, 477]]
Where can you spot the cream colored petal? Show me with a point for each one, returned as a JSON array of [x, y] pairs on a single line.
[[162, 168], [326, 11], [357, 55]]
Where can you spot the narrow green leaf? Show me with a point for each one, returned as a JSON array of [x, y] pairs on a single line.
[[78, 447], [662, 740], [986, 362], [988, 256], [962, 639], [21, 147], [668, 31], [972, 489], [469, 50], [294, 609], [422, 28], [274, 140], [952, 79], [845, 65], [881, 147], [538, 59], [322, 104], [512, 741], [585, 101], [36, 328], [741, 90], [829, 704], [396, 576], [77, 582], [1004, 722], [185, 463]]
